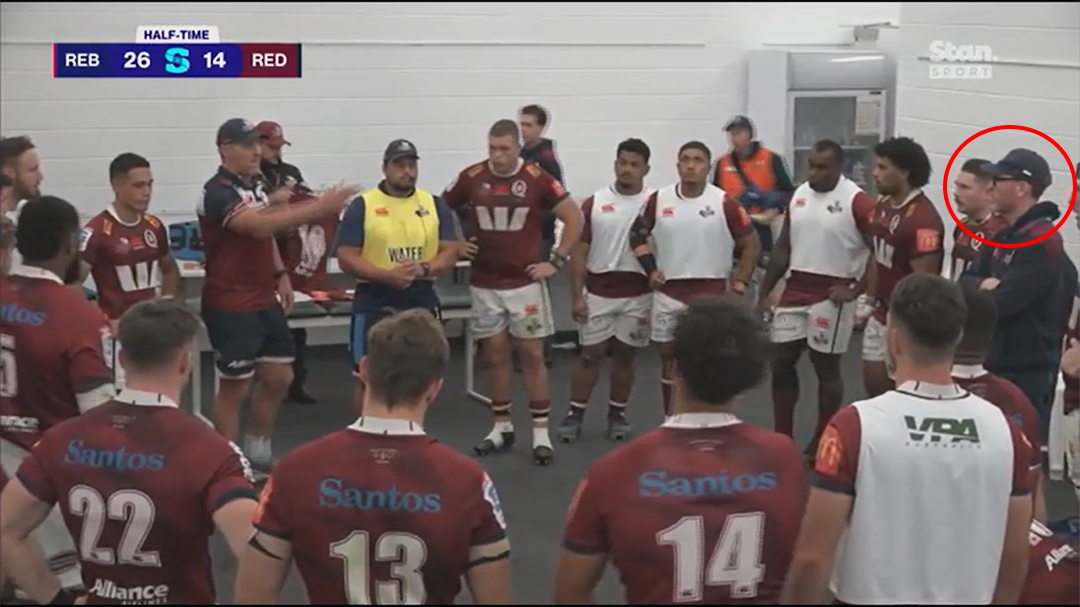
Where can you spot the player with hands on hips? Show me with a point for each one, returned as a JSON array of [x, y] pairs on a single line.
[[505, 199]]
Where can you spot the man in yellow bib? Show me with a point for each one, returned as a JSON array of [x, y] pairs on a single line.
[[394, 239]]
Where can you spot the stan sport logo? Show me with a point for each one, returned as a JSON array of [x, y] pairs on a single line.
[[950, 61]]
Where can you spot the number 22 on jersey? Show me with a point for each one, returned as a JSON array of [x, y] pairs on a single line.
[[406, 554], [133, 508], [734, 562]]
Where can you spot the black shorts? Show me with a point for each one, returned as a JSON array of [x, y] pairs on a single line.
[[361, 325], [242, 339]]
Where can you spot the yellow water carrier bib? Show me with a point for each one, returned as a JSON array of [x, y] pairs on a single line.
[[399, 230]]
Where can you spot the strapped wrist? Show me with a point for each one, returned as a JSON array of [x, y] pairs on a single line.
[[648, 263]]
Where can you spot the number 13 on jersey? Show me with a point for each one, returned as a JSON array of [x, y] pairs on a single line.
[[735, 561]]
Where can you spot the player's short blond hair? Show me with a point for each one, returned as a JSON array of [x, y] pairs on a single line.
[[406, 354]]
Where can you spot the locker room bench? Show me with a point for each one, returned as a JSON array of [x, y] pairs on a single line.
[[456, 305]]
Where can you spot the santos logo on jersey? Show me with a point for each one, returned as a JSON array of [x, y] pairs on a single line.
[[334, 493], [119, 460], [658, 483], [21, 316]]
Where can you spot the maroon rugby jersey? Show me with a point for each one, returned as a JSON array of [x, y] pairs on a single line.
[[381, 513], [902, 234], [125, 259], [305, 250], [1054, 572], [506, 214], [1003, 394], [138, 482], [54, 343], [966, 249], [240, 269], [672, 508]]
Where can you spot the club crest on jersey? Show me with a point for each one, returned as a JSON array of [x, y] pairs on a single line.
[[519, 188], [150, 238], [835, 207], [893, 223], [707, 212], [382, 455]]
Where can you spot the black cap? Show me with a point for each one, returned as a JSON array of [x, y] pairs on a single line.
[[237, 130], [1022, 165], [739, 122], [400, 148]]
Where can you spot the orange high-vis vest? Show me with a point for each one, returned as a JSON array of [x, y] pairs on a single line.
[[758, 168]]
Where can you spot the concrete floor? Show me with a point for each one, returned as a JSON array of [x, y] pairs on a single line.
[[535, 498]]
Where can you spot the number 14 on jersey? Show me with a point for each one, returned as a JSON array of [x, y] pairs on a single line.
[[735, 562]]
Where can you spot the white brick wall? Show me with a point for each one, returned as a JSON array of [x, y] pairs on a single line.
[[1036, 85], [442, 73]]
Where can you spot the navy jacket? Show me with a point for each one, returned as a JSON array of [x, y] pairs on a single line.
[[543, 154], [1034, 297]]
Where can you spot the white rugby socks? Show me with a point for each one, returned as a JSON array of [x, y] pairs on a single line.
[[258, 448], [496, 435]]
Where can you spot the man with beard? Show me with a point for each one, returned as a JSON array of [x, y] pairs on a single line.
[[1033, 286], [609, 292], [20, 162], [825, 244], [696, 229], [53, 343], [908, 238], [125, 248], [973, 198], [285, 184], [395, 239]]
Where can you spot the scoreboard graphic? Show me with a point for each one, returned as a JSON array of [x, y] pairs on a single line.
[[177, 52]]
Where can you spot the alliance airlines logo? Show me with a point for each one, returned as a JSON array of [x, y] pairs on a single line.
[[950, 61]]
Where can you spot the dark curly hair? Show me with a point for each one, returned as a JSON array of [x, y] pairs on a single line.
[[908, 156], [721, 349]]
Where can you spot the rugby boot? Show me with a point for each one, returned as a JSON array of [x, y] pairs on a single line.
[[570, 428], [543, 455], [496, 442], [618, 428]]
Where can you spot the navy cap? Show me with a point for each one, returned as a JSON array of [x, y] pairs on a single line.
[[739, 122], [1022, 165], [237, 130], [400, 148]]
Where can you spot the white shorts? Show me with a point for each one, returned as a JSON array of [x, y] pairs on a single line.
[[825, 326], [1063, 448], [626, 319], [873, 341], [52, 535], [665, 314], [525, 312]]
